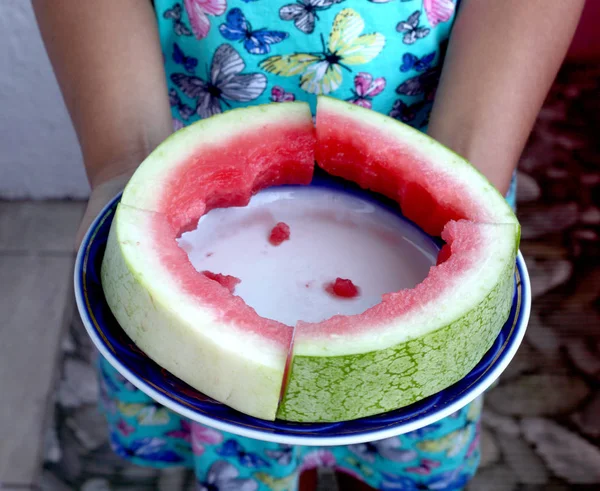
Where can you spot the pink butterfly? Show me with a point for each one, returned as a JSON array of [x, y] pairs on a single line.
[[125, 428], [425, 467], [280, 95], [202, 435], [438, 11], [318, 458], [365, 88], [198, 12], [183, 433]]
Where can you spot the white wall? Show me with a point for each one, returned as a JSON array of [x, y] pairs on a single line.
[[39, 155]]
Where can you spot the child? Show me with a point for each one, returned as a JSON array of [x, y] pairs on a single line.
[[111, 58]]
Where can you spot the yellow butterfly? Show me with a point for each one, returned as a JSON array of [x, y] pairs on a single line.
[[286, 483], [474, 411], [321, 73], [367, 471], [146, 414], [452, 443]]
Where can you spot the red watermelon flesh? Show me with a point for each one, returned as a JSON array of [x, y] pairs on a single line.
[[279, 234], [402, 164], [204, 182], [343, 287], [225, 280]]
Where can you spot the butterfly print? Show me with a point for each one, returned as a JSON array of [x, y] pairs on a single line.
[[304, 13], [184, 110], [198, 12], [232, 448], [280, 95], [125, 428], [388, 449], [321, 73], [224, 83], [237, 28], [446, 480], [438, 11], [366, 470], [277, 484], [411, 29], [283, 455], [425, 467], [147, 448], [188, 62], [175, 14], [412, 62], [202, 436], [177, 125], [452, 444], [222, 476], [426, 83], [405, 112], [183, 433], [318, 458], [146, 414], [365, 88]]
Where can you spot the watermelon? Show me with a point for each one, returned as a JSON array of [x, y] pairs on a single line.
[[412, 344]]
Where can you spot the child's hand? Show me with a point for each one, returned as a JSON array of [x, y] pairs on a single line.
[[99, 198]]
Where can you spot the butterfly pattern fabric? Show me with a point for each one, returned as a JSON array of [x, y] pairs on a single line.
[[441, 456], [222, 54], [380, 54]]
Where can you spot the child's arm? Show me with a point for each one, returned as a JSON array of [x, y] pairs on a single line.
[[107, 59], [501, 61]]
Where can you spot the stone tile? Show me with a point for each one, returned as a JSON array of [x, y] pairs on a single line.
[[543, 221], [496, 478], [490, 453], [96, 484], [567, 454], [588, 418], [525, 463], [172, 479], [89, 426], [39, 226], [526, 360], [538, 395], [79, 384], [36, 294], [500, 424], [51, 482], [546, 275]]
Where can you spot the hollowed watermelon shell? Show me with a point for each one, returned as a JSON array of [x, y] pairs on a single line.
[[412, 344]]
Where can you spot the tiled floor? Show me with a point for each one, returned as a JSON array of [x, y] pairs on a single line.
[[541, 424]]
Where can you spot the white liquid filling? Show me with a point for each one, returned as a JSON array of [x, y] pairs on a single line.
[[332, 234]]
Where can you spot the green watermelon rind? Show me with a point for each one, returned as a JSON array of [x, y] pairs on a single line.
[[339, 388]]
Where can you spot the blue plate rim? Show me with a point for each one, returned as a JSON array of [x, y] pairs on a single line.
[[483, 382]]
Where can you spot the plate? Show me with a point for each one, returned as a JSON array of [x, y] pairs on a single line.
[[168, 390]]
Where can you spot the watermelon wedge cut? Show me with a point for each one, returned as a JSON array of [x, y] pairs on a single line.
[[186, 322], [412, 344]]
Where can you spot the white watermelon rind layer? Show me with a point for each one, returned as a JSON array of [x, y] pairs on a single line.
[[423, 353], [237, 368]]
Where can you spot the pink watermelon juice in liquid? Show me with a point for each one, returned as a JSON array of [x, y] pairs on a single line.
[[332, 234]]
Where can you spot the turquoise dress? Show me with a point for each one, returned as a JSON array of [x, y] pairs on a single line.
[[222, 54]]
